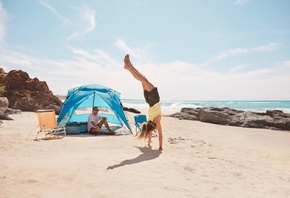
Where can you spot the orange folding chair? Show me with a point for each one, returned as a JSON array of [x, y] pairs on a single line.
[[48, 124]]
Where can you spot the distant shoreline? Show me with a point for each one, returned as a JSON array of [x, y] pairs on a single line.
[[61, 97], [173, 106]]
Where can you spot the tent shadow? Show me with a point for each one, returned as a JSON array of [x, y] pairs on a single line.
[[88, 135], [146, 154]]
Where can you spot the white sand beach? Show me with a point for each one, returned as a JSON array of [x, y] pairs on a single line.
[[198, 160]]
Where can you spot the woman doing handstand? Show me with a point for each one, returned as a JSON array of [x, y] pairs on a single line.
[[152, 98]]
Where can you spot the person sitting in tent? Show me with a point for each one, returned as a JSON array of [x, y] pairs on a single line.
[[95, 123], [152, 98]]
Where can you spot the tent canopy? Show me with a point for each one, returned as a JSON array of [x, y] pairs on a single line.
[[80, 100]]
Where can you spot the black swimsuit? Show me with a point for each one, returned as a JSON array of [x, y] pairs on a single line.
[[152, 97]]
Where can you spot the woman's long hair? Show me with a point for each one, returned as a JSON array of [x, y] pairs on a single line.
[[147, 128]]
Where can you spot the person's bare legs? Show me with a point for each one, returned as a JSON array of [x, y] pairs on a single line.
[[157, 120], [146, 86], [136, 74], [104, 122], [127, 64]]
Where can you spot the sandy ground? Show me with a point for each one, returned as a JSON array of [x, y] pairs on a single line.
[[198, 160]]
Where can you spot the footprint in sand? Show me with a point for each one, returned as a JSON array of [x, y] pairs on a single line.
[[179, 140], [194, 143], [198, 143], [188, 169], [176, 140]]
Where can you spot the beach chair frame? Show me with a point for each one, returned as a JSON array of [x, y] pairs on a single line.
[[139, 120], [48, 124]]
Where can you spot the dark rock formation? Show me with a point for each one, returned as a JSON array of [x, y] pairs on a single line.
[[131, 110], [4, 103], [28, 94], [5, 110], [4, 116], [272, 119]]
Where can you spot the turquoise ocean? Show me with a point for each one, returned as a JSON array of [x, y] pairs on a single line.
[[174, 106]]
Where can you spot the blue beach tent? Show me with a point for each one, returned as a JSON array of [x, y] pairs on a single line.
[[80, 100]]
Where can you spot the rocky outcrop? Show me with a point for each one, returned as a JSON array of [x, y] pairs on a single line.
[[271, 119], [28, 94], [5, 110], [131, 110]]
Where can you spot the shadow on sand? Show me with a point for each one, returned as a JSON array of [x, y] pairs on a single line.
[[146, 154]]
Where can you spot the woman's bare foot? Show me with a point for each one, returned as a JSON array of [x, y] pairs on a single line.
[[127, 62]]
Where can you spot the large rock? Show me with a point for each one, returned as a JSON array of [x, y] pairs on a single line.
[[4, 103], [131, 110], [5, 110], [4, 116], [272, 119], [28, 94]]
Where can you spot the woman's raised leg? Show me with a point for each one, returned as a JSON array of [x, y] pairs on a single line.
[[136, 74]]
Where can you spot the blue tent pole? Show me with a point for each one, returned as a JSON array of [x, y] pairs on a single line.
[[94, 98]]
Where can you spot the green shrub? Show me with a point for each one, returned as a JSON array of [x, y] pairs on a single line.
[[2, 90]]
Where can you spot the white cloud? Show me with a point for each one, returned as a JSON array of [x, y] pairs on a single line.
[[286, 64], [3, 18], [84, 26], [175, 80], [53, 10], [237, 51], [123, 46], [195, 83], [205, 84], [140, 54], [87, 24], [237, 68], [266, 48], [96, 56], [16, 58]]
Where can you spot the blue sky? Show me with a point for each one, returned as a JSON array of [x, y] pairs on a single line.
[[189, 49]]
